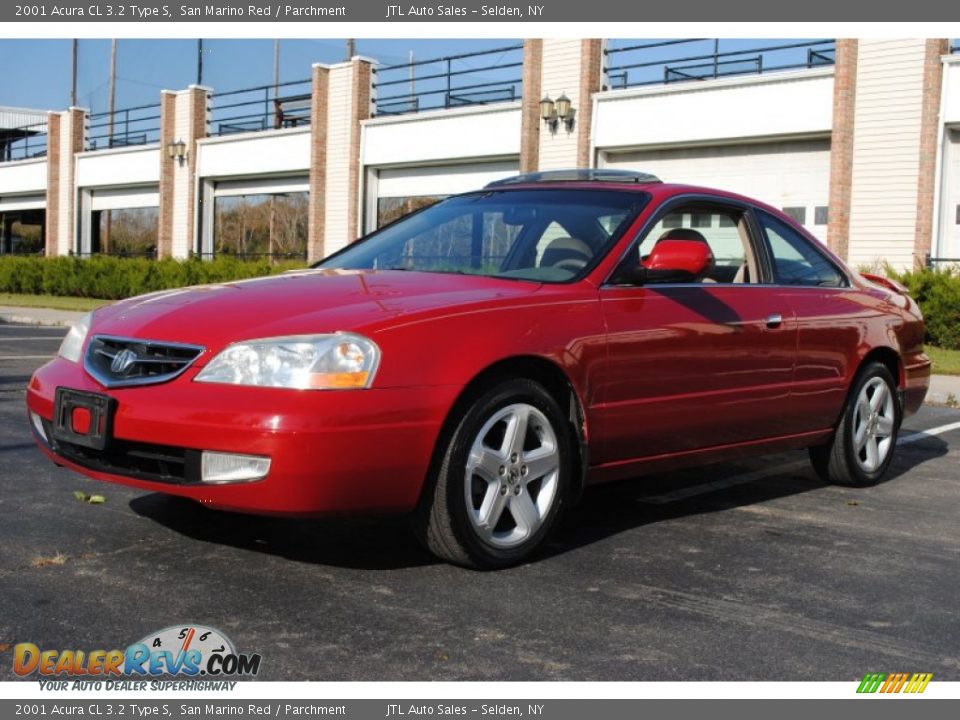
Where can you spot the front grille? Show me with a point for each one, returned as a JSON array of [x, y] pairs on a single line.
[[143, 461], [119, 362]]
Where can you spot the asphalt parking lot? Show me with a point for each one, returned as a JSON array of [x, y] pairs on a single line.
[[747, 571]]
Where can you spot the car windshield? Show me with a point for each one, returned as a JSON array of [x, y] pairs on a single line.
[[545, 235]]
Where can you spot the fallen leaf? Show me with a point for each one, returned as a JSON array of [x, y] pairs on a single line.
[[45, 561], [5, 646], [852, 502], [442, 656], [96, 499], [80, 495]]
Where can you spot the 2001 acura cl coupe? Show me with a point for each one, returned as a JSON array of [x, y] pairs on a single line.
[[478, 362]]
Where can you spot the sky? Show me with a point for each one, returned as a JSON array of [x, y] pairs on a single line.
[[38, 71]]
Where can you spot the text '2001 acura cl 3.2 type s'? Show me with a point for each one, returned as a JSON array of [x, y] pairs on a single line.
[[477, 363]]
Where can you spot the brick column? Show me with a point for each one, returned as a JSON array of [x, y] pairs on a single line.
[[66, 136], [530, 113], [168, 103], [841, 146], [341, 102], [183, 117], [316, 215], [929, 131], [591, 80]]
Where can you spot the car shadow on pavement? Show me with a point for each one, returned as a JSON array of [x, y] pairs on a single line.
[[387, 543], [382, 543], [608, 510]]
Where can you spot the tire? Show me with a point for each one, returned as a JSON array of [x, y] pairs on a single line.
[[863, 445], [495, 495]]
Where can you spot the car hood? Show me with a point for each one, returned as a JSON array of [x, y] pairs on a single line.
[[301, 302]]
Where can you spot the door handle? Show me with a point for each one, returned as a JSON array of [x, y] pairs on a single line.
[[774, 321]]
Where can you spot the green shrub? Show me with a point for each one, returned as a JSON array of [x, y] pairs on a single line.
[[938, 294], [114, 278]]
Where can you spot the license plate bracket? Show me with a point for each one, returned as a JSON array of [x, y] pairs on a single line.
[[97, 411]]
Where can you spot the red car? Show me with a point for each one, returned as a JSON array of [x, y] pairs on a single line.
[[477, 363]]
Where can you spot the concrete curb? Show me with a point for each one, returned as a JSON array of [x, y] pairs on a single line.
[[43, 317]]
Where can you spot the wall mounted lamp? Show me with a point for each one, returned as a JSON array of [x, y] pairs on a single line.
[[554, 112], [177, 150]]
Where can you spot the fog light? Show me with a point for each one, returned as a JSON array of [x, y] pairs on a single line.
[[217, 467], [38, 425]]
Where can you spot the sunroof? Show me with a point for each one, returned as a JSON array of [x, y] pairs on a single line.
[[578, 175]]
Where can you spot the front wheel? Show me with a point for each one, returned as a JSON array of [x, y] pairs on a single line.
[[502, 480], [863, 444]]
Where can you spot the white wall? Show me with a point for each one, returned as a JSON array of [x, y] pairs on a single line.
[[886, 151], [273, 151], [560, 76], [25, 176], [119, 166], [951, 88], [441, 135], [783, 104]]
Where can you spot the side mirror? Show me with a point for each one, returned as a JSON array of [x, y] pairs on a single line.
[[670, 261]]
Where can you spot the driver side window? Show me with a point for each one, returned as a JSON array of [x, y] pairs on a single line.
[[723, 229]]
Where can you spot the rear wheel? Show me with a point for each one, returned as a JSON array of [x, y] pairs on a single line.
[[863, 444], [502, 480]]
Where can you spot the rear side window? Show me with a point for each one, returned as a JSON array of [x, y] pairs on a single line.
[[796, 261]]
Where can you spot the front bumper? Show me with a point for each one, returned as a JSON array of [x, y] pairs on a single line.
[[351, 451]]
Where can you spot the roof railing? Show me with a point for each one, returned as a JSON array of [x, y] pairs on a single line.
[[450, 81], [264, 107], [24, 143], [138, 125], [668, 61]]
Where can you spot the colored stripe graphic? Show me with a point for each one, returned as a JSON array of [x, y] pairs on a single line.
[[895, 683]]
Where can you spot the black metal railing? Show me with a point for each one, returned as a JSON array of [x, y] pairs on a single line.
[[300, 255], [139, 125], [477, 78], [932, 262], [25, 142], [265, 107], [149, 254], [668, 61]]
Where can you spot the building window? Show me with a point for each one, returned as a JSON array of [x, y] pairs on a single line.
[[394, 208], [821, 215], [958, 214], [673, 220], [129, 232], [21, 232], [797, 213], [701, 220], [261, 225]]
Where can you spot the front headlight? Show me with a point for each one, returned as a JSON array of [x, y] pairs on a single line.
[[303, 362], [73, 343]]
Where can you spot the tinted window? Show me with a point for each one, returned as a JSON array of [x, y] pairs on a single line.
[[796, 261]]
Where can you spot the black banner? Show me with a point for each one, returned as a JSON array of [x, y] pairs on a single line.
[[294, 11]]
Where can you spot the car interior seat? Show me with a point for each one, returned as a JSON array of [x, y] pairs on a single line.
[[566, 252]]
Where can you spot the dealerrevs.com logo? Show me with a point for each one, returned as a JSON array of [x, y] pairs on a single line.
[[190, 651], [909, 683]]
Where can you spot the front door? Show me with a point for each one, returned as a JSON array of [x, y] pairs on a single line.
[[696, 364]]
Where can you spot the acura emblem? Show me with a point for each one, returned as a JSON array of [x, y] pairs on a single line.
[[122, 361]]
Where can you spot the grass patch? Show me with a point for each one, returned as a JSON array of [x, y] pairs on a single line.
[[55, 302], [945, 362]]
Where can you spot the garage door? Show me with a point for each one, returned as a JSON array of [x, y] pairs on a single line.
[[396, 191], [794, 176], [950, 218]]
